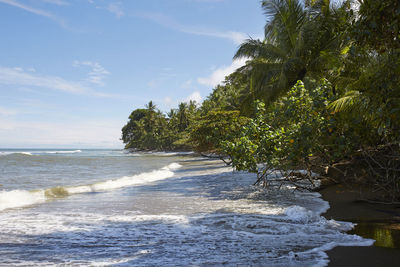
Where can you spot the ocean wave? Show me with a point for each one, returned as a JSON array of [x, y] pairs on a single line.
[[35, 152], [20, 198], [169, 154], [126, 181], [63, 152], [23, 198], [15, 153], [279, 229], [132, 153]]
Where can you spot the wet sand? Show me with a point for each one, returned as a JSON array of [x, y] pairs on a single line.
[[376, 221]]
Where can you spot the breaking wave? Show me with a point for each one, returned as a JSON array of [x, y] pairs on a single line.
[[15, 153], [63, 152], [23, 198]]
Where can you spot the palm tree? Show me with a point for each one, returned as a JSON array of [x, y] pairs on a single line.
[[371, 83], [150, 116], [296, 36], [269, 65], [183, 120], [151, 107]]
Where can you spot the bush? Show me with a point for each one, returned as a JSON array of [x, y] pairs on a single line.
[[289, 133]]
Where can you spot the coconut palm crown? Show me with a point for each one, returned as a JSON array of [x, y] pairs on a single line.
[[298, 42]]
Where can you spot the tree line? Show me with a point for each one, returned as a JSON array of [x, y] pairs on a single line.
[[322, 86]]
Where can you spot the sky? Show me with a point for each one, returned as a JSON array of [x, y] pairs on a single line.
[[71, 71]]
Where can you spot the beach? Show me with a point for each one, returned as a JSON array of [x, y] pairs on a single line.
[[377, 221], [109, 207]]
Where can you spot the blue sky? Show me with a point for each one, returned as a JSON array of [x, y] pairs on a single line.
[[72, 71]]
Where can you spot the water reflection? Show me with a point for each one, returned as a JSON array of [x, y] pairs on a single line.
[[386, 234]]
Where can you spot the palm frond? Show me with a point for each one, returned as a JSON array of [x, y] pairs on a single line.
[[284, 18], [350, 101], [252, 48]]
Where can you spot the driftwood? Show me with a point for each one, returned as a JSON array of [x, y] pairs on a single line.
[[299, 180]]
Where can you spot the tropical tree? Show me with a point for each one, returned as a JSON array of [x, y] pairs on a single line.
[[211, 130], [228, 95], [147, 130], [288, 134], [371, 91], [133, 130], [182, 114], [378, 24], [300, 40]]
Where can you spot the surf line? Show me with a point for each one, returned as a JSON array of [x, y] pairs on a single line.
[[22, 198]]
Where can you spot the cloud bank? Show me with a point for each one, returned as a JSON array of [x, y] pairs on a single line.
[[21, 77]]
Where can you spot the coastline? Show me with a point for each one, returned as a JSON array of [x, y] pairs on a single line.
[[376, 221]]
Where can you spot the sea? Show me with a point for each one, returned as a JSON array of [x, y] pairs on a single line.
[[80, 207]]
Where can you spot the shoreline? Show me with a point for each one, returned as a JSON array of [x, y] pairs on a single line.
[[375, 221]]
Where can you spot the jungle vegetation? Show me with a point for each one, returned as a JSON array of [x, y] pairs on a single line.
[[322, 87]]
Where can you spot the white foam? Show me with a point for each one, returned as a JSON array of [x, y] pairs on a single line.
[[173, 166], [126, 181], [133, 154], [63, 152], [323, 258], [300, 214], [20, 198]]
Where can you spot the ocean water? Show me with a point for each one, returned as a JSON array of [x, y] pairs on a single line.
[[109, 207]]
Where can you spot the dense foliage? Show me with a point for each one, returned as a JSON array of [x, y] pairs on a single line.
[[288, 133], [322, 86], [150, 129], [216, 127]]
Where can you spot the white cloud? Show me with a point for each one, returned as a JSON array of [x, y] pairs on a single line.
[[33, 10], [56, 2], [195, 96], [169, 103], [17, 76], [219, 74], [97, 74], [235, 36], [116, 9]]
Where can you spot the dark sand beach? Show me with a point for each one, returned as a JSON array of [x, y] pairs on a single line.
[[376, 221]]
